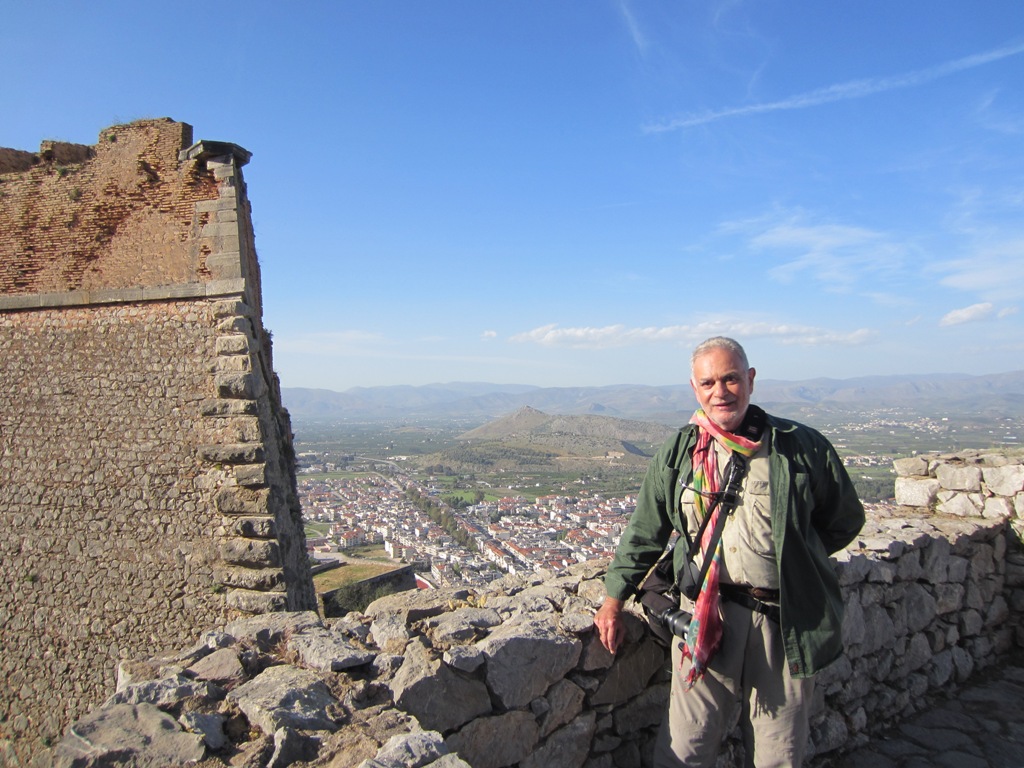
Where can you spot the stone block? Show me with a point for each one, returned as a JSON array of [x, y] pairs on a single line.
[[238, 500], [424, 682], [998, 508], [248, 601], [914, 466], [259, 579], [221, 286], [219, 229], [251, 475], [526, 657], [232, 364], [254, 527], [285, 696], [180, 291], [1004, 481], [495, 742], [912, 492], [632, 671], [226, 265], [216, 406], [959, 478], [250, 553], [244, 453], [243, 386], [235, 344], [962, 504], [949, 597], [212, 206]]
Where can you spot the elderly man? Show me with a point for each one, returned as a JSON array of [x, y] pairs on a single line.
[[769, 610]]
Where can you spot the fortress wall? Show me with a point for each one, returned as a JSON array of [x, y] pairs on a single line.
[[147, 482]]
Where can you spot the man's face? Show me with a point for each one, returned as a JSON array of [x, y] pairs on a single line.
[[722, 387]]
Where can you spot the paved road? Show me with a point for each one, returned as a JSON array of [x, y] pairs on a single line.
[[982, 726]]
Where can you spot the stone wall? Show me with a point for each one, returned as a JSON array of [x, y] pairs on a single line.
[[513, 674], [147, 481]]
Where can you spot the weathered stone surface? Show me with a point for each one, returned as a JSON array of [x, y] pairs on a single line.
[[418, 605], [270, 629], [631, 673], [240, 500], [645, 711], [165, 692], [411, 750], [567, 747], [959, 478], [962, 505], [390, 632], [919, 607], [251, 601], [328, 651], [209, 726], [262, 527], [998, 507], [496, 742], [911, 467], [222, 667], [286, 697], [260, 579], [463, 625], [465, 658], [879, 630], [914, 492], [127, 734], [565, 702], [291, 747], [524, 658], [440, 698]]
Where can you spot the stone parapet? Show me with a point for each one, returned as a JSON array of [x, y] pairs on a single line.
[[974, 483], [513, 674]]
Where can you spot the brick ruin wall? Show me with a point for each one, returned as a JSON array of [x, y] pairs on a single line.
[[147, 481]]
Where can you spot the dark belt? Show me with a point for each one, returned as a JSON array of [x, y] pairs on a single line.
[[754, 598]]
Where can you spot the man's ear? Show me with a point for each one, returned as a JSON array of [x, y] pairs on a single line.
[[752, 373]]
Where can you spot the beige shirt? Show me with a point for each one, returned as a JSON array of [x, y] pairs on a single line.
[[748, 549]]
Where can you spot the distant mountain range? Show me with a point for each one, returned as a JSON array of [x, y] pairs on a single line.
[[930, 393]]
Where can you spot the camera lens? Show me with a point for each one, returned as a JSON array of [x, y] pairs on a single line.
[[675, 621]]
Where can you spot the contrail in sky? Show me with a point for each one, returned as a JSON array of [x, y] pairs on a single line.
[[854, 89]]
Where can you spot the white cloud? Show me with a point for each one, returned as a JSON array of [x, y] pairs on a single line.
[[831, 253], [489, 335], [621, 336], [853, 89], [995, 272], [1007, 311], [839, 256], [969, 314], [635, 33]]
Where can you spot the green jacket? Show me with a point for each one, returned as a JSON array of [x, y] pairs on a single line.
[[814, 510]]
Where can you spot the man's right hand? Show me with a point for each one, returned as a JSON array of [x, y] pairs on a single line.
[[610, 627]]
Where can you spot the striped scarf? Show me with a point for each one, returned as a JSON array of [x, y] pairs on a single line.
[[705, 632]]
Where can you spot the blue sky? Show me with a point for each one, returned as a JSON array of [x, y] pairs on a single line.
[[575, 192]]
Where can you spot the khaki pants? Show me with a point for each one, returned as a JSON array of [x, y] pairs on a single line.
[[748, 678]]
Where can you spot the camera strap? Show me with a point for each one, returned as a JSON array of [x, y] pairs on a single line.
[[737, 468], [753, 428]]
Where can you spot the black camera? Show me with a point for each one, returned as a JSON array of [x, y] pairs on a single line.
[[675, 621]]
